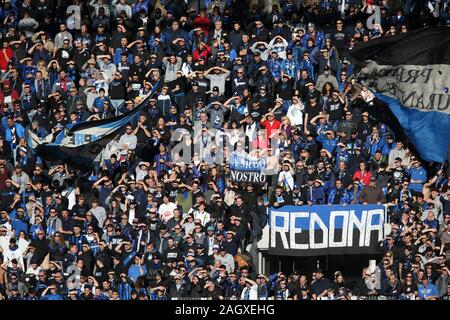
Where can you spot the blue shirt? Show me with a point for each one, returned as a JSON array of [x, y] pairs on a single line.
[[328, 144], [417, 174], [52, 297], [19, 225], [134, 271], [429, 291]]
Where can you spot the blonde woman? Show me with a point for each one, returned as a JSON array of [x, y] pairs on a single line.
[[42, 67], [286, 126]]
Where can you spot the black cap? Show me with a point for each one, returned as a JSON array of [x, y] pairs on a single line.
[[215, 89], [319, 271]]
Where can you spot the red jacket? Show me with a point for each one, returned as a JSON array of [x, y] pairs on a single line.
[[204, 54], [271, 127], [5, 56], [12, 92], [363, 176]]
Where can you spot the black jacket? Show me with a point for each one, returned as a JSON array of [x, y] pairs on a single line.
[[284, 199]]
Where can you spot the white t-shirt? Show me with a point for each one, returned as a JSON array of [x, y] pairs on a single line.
[[166, 211], [204, 217], [295, 115]]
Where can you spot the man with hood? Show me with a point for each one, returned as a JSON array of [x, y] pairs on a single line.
[[8, 94]]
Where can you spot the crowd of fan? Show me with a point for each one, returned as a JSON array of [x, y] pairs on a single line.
[[144, 226]]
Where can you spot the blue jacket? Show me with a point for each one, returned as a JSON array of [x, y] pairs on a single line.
[[20, 132], [418, 174], [19, 225], [319, 41], [344, 196], [124, 290], [298, 51], [376, 145], [275, 67], [316, 195], [290, 67], [352, 196], [341, 155], [52, 297], [328, 144], [434, 224], [308, 66]]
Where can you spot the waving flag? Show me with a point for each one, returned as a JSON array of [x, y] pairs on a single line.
[[81, 143], [411, 74]]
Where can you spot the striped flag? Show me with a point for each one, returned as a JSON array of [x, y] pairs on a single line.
[[411, 74]]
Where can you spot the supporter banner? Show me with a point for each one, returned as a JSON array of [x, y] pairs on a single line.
[[81, 143], [411, 73], [326, 230], [245, 169]]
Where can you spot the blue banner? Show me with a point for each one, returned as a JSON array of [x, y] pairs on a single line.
[[246, 169], [326, 230]]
